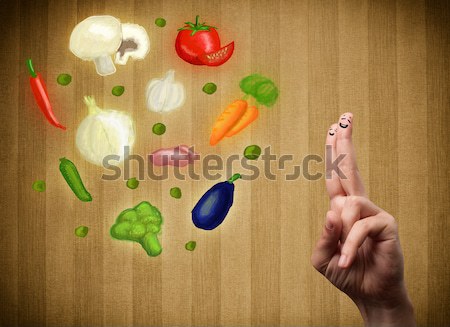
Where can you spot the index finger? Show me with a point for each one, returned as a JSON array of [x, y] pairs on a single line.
[[351, 182]]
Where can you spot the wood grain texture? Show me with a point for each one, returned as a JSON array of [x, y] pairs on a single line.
[[385, 61]]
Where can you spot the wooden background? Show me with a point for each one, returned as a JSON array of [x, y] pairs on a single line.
[[386, 61]]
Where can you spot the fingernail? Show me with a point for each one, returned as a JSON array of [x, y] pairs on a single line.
[[342, 261], [329, 225]]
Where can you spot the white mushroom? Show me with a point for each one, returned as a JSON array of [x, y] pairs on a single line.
[[95, 39], [135, 43]]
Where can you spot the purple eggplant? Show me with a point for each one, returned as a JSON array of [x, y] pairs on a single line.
[[212, 208]]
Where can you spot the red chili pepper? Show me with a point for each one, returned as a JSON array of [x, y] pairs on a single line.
[[40, 94]]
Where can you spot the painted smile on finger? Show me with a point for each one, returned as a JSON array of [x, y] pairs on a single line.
[[342, 124], [332, 132]]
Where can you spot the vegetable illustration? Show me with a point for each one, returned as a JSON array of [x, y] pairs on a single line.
[[118, 90], [164, 94], [252, 152], [81, 231], [190, 246], [159, 129], [103, 133], [175, 192], [239, 114], [64, 79], [140, 224], [229, 118], [209, 88], [261, 88], [213, 206], [73, 179], [160, 22], [132, 183], [135, 43], [41, 96], [178, 156], [95, 39], [199, 44], [39, 186]]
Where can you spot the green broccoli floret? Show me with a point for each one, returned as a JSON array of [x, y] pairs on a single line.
[[140, 224]]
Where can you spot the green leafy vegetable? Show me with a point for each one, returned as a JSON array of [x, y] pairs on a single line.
[[140, 224], [261, 88]]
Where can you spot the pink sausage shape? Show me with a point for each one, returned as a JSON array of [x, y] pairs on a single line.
[[178, 156]]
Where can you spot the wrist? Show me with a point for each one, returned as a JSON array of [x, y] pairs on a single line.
[[396, 312]]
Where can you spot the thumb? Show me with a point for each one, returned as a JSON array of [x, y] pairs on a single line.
[[328, 244]]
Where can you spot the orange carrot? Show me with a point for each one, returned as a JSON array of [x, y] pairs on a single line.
[[227, 120], [250, 115]]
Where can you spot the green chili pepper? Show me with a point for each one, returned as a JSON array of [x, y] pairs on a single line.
[[72, 177]]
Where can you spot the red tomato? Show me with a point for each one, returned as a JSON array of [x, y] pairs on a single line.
[[194, 41], [219, 57]]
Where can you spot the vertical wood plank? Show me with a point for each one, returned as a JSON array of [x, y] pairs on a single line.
[[235, 243], [10, 77], [383, 148], [353, 97], [323, 100], [438, 116], [31, 137], [412, 146], [265, 216], [295, 221], [61, 221]]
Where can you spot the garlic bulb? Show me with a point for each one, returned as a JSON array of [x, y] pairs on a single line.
[[103, 133], [164, 94]]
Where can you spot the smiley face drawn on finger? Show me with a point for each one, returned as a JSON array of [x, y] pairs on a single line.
[[345, 121], [332, 131]]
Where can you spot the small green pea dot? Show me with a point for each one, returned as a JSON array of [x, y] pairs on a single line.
[[39, 186], [159, 129], [132, 183], [81, 231], [209, 88], [190, 246], [118, 90], [160, 22], [252, 152], [64, 79], [175, 192]]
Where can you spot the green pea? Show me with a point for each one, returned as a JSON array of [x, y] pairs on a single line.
[[39, 186], [190, 246], [64, 79], [160, 22], [159, 129], [118, 90], [209, 88], [132, 183], [81, 231], [252, 152], [175, 192]]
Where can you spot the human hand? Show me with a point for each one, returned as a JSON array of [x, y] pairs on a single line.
[[359, 251]]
